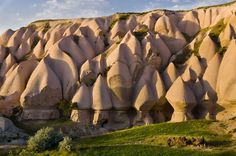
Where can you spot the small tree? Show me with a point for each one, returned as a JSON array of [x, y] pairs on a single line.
[[44, 138], [66, 144]]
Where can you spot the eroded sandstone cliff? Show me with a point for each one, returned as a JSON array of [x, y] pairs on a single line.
[[125, 69]]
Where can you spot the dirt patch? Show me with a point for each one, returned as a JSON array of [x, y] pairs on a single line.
[[184, 141], [225, 127]]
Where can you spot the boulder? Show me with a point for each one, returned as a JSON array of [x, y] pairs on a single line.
[[10, 134], [82, 117]]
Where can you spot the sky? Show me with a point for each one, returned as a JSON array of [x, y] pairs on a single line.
[[18, 13]]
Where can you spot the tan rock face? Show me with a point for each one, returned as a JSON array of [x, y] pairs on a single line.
[[190, 24], [17, 79], [226, 82], [120, 84], [38, 51], [170, 33], [43, 91], [207, 49], [65, 69], [182, 99], [101, 95], [6, 36], [123, 70], [15, 40], [83, 97], [7, 64], [3, 53]]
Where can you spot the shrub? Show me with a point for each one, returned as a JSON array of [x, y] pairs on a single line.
[[24, 152], [141, 32], [122, 16], [184, 56], [65, 108], [216, 30], [46, 27], [222, 50], [44, 138], [198, 43], [65, 144]]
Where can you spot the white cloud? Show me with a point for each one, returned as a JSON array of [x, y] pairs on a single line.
[[181, 4], [34, 5], [71, 8], [176, 1]]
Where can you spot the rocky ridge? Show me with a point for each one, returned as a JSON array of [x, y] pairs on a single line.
[[123, 70]]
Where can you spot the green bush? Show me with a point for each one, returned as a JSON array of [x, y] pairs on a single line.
[[65, 144], [46, 27], [122, 16], [216, 30], [44, 139], [198, 43], [65, 108], [222, 50], [141, 32], [184, 56], [24, 152]]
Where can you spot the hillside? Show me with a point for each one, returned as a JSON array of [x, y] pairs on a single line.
[[122, 70], [153, 140]]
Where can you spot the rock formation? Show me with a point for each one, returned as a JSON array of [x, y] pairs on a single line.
[[123, 70], [10, 134]]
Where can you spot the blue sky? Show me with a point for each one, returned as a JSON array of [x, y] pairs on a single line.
[[17, 13]]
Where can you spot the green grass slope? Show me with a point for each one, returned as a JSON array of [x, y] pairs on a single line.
[[152, 140]]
